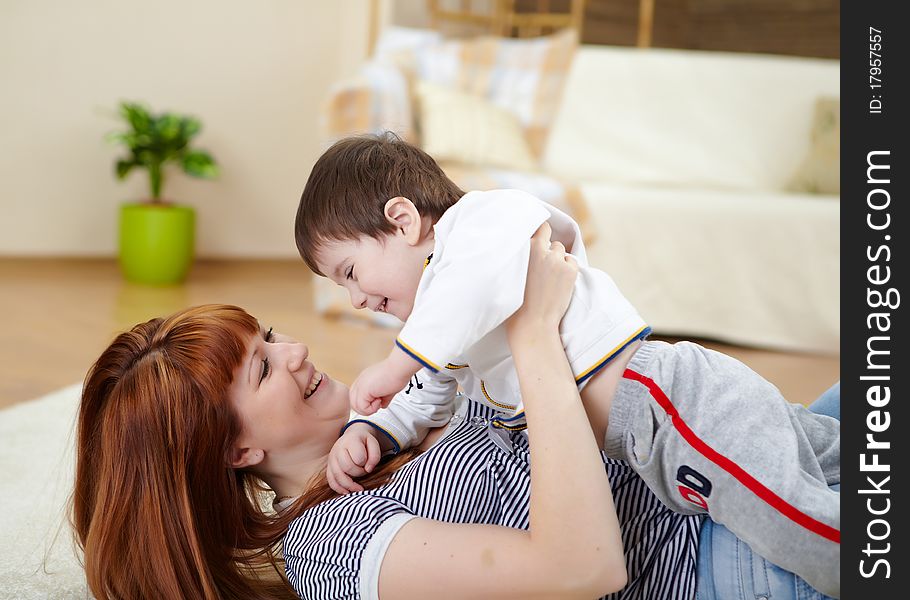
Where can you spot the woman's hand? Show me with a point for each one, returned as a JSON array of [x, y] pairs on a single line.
[[548, 289]]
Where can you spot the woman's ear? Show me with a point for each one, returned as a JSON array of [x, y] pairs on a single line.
[[242, 458], [402, 213]]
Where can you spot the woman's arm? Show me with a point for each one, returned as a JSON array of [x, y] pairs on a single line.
[[573, 548]]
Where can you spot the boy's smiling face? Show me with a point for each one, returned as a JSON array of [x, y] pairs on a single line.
[[382, 274]]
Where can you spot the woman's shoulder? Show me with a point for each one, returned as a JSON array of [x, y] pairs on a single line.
[[327, 545]]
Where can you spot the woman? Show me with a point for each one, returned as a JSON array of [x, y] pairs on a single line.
[[185, 421]]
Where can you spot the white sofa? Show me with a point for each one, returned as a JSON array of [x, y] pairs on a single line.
[[683, 157], [675, 164]]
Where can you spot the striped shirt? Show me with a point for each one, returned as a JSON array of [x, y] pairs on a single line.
[[477, 474]]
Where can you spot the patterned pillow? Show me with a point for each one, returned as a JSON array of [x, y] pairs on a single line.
[[456, 126], [523, 76], [397, 42], [819, 172], [377, 99]]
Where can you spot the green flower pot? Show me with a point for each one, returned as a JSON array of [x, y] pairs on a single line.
[[156, 242]]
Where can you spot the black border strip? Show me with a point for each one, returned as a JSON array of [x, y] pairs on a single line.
[[873, 261]]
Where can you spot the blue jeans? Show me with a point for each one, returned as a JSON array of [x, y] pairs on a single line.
[[729, 570]]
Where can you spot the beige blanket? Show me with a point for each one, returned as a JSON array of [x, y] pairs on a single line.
[[37, 558]]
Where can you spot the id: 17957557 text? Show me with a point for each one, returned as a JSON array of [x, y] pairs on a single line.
[[875, 70]]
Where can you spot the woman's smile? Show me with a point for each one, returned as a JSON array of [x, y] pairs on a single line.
[[315, 380]]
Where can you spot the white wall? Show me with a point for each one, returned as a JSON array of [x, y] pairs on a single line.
[[255, 72]]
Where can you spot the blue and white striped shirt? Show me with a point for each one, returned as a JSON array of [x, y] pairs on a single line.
[[477, 474]]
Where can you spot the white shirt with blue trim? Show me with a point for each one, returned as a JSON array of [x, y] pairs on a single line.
[[473, 282]]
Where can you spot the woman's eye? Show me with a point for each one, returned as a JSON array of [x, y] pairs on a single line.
[[266, 369], [269, 336]]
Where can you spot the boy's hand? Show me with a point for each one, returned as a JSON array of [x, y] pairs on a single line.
[[375, 387], [354, 454]]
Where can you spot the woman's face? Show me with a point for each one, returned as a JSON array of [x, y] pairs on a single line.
[[287, 408]]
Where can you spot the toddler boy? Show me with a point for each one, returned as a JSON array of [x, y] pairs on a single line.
[[707, 434]]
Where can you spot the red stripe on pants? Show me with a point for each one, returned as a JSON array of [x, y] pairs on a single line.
[[755, 486]]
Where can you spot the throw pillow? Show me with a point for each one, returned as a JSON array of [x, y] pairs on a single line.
[[376, 99], [456, 126], [523, 76], [819, 172]]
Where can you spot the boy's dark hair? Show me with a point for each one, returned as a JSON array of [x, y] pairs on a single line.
[[351, 182]]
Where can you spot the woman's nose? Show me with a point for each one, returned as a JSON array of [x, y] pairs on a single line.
[[296, 355]]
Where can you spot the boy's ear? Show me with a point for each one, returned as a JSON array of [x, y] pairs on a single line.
[[246, 457], [402, 213]]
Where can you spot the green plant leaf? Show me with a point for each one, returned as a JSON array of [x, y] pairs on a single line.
[[168, 126], [136, 115], [199, 163], [123, 168], [116, 137], [154, 140], [147, 157], [191, 126]]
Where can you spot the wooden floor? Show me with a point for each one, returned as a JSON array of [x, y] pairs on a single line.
[[59, 314]]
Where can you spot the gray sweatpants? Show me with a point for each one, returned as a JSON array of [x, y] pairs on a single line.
[[709, 435]]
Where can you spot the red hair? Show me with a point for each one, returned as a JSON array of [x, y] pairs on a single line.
[[157, 509]]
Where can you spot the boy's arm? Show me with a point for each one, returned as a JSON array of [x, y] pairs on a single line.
[[377, 384], [426, 402], [478, 276]]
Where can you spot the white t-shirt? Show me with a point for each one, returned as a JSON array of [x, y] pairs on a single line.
[[473, 282]]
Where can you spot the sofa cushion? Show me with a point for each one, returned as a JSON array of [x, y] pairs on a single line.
[[524, 76], [755, 268], [686, 118], [819, 172], [455, 126]]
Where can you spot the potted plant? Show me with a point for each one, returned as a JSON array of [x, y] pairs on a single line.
[[157, 236]]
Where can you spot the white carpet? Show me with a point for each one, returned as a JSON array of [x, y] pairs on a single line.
[[37, 557]]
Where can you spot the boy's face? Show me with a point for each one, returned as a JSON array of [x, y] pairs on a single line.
[[379, 274]]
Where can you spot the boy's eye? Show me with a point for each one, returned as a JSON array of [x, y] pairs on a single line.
[[350, 273]]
